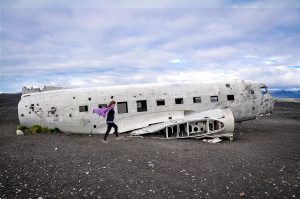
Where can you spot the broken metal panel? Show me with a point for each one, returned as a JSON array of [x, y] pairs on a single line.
[[142, 120], [217, 122]]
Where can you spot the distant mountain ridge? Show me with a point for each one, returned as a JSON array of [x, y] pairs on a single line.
[[277, 93]]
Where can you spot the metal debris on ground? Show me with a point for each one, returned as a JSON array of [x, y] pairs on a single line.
[[215, 140], [19, 132]]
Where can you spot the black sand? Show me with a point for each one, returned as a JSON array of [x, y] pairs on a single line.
[[262, 162]]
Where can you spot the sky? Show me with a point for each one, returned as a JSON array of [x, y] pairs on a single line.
[[85, 44]]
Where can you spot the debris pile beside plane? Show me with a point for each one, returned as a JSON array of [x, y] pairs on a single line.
[[19, 132], [32, 89]]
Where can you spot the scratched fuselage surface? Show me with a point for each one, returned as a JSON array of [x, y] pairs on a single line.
[[138, 106]]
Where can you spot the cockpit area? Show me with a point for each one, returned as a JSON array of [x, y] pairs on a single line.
[[263, 90]]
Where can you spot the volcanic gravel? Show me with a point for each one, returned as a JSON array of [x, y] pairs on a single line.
[[262, 162]]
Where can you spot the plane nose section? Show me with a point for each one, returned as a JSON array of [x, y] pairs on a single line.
[[269, 104], [272, 104]]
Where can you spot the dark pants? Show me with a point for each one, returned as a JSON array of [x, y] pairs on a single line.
[[109, 126]]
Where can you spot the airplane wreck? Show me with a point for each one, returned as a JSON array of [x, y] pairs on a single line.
[[169, 111]]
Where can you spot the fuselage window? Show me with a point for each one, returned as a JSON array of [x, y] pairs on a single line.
[[122, 107], [263, 90], [141, 105], [102, 105], [160, 102], [179, 101], [214, 98], [230, 97], [82, 108], [197, 99]]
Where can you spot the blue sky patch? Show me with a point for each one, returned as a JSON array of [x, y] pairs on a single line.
[[293, 66]]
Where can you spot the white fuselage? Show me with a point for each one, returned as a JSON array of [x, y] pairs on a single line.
[[138, 106]]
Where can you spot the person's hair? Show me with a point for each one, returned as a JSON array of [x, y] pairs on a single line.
[[111, 103]]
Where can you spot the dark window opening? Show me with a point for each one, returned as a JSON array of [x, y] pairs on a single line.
[[228, 85], [263, 90], [37, 104], [141, 105], [70, 115], [179, 101], [214, 98], [22, 115], [210, 126], [122, 107], [102, 105], [73, 97], [83, 108], [90, 99], [95, 126], [197, 99], [252, 92], [32, 107], [53, 110], [230, 97], [160, 102]]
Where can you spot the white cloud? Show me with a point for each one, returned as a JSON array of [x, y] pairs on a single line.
[[176, 61], [120, 46]]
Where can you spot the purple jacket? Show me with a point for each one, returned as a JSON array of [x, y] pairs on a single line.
[[102, 111]]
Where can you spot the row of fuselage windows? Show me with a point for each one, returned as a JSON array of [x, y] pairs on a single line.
[[142, 104]]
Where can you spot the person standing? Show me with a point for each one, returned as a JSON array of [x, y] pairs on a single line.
[[110, 121]]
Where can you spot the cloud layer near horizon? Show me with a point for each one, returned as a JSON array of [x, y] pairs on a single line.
[[78, 47]]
